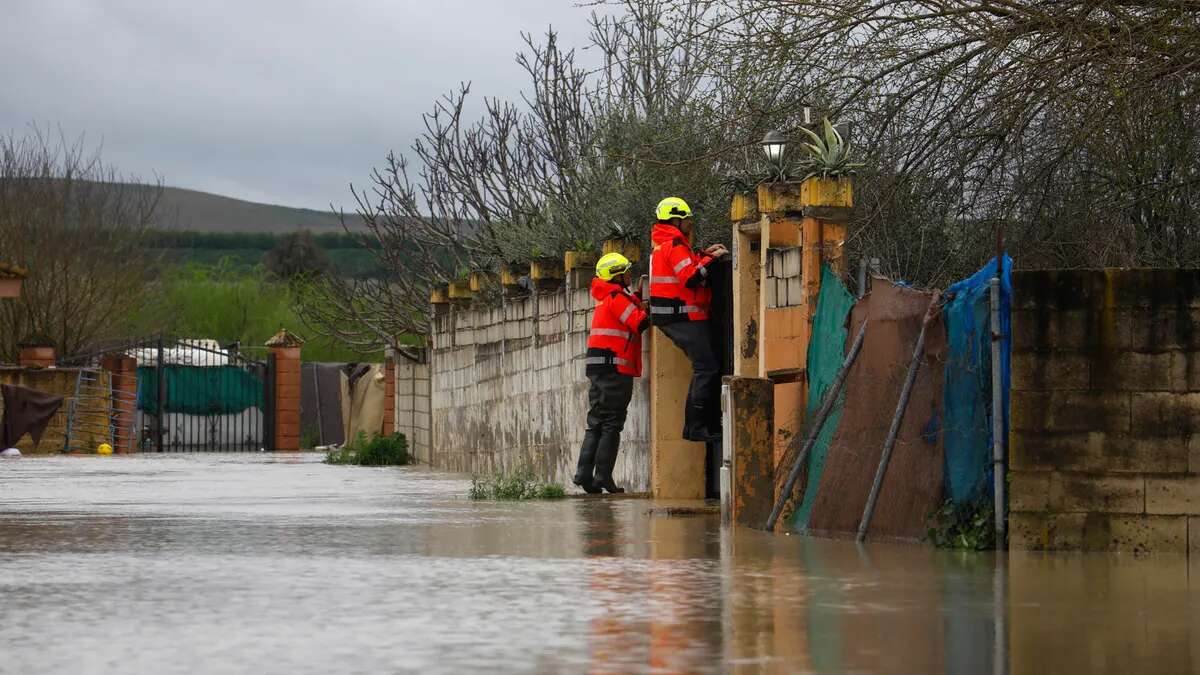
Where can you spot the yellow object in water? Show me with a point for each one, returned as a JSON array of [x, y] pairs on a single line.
[[104, 449]]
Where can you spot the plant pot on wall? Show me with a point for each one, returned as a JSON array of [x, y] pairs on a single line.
[[11, 278], [460, 290], [481, 281], [573, 260], [743, 206], [510, 276], [439, 295], [630, 249], [836, 192], [546, 269]]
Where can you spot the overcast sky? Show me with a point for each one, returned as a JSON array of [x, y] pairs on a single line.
[[276, 101]]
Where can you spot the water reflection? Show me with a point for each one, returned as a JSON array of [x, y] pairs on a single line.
[[264, 564]]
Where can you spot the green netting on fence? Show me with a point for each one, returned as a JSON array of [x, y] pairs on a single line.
[[826, 350], [200, 390]]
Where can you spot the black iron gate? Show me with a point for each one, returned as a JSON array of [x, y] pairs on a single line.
[[196, 396]]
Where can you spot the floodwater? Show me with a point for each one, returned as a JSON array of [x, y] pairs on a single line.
[[280, 564]]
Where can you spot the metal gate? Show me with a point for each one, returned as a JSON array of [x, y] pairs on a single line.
[[191, 396]]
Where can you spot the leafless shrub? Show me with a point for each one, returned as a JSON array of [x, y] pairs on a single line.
[[77, 226]]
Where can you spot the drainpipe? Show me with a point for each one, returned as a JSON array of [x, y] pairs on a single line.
[[997, 416]]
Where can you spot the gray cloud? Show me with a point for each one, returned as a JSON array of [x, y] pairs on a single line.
[[282, 101]]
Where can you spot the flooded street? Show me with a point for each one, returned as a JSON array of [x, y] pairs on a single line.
[[280, 564]]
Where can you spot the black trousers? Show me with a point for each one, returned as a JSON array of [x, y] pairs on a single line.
[[694, 339], [608, 401]]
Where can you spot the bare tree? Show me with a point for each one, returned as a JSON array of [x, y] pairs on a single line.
[[1070, 122], [559, 170], [76, 225]]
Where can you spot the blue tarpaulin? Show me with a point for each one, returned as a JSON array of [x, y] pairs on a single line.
[[967, 394]]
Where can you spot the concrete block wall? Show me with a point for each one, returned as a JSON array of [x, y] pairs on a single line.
[[1104, 450], [413, 406], [507, 388]]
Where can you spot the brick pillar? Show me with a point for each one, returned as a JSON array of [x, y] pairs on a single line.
[[36, 356], [122, 373], [389, 395], [286, 349]]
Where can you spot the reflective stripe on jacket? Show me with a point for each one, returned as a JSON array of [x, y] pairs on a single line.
[[615, 341], [678, 278]]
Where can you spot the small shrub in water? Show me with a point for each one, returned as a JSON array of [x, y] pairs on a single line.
[[374, 451], [517, 485], [969, 526]]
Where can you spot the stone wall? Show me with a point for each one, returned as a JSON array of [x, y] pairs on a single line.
[[507, 387], [1104, 450]]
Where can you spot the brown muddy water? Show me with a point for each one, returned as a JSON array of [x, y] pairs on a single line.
[[280, 564]]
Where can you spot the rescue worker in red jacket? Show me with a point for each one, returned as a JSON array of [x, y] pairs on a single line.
[[680, 298], [614, 358]]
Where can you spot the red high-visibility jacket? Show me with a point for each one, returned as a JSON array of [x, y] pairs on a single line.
[[615, 342], [678, 278]]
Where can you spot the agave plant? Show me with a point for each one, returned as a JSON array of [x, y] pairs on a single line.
[[619, 232], [828, 156]]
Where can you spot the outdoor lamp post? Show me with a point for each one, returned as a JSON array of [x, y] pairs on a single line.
[[773, 144]]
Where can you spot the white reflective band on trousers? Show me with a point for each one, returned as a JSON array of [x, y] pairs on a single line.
[[605, 361], [612, 332], [686, 309]]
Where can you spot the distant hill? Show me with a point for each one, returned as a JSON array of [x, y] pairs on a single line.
[[181, 209]]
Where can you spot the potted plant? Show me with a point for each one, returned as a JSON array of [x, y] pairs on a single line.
[[582, 255], [11, 277], [460, 290], [743, 205], [544, 268], [481, 280], [623, 241], [827, 169], [439, 295]]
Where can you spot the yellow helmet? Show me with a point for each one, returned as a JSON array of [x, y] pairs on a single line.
[[611, 265], [672, 207]]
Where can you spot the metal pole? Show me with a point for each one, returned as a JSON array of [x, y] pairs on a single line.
[[862, 277], [894, 431], [317, 395], [997, 417], [818, 422], [162, 397]]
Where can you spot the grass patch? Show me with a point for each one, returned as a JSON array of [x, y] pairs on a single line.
[[374, 451], [517, 485]]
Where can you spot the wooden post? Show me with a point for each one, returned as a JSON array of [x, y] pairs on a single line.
[[286, 348]]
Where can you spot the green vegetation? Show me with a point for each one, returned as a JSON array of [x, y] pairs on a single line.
[[309, 438], [228, 303], [970, 526], [517, 485], [374, 451], [257, 241], [349, 255]]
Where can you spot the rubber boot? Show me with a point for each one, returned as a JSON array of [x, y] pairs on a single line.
[[587, 463], [606, 460], [695, 428]]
